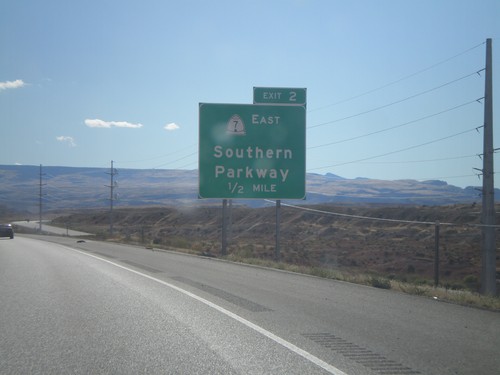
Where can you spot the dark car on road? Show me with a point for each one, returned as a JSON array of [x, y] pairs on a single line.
[[6, 231]]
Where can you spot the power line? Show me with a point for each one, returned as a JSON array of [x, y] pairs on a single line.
[[358, 114], [173, 161], [394, 103], [348, 99], [187, 165], [159, 156], [361, 217], [400, 150], [396, 126], [361, 113], [422, 161], [399, 80], [348, 139]]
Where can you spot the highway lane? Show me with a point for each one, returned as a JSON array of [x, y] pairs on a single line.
[[63, 311], [102, 315], [46, 228]]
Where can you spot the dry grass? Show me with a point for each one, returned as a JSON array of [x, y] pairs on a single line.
[[460, 297]]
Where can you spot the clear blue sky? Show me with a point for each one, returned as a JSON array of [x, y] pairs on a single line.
[[83, 83]]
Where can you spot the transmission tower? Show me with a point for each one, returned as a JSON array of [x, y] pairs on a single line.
[[40, 195], [113, 172]]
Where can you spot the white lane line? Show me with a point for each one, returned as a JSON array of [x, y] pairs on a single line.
[[303, 353]]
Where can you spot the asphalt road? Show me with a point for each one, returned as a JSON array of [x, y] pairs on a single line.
[[35, 225], [92, 307]]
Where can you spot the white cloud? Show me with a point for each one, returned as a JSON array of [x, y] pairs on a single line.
[[65, 138], [171, 127], [11, 84], [96, 123]]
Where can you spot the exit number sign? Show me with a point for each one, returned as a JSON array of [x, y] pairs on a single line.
[[279, 95]]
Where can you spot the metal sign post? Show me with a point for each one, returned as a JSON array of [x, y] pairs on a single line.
[[277, 255]]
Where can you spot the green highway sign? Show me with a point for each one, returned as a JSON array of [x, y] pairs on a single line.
[[279, 95], [252, 151]]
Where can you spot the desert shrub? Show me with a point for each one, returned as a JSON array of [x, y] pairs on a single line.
[[412, 289], [422, 282], [322, 272], [453, 286], [380, 282], [246, 251], [471, 282]]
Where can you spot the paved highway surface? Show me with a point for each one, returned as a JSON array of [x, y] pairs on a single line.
[[35, 225], [93, 307]]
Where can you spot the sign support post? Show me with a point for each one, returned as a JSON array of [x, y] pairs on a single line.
[[224, 228], [277, 254]]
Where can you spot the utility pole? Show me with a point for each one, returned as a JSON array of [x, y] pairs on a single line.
[[40, 202], [112, 186], [488, 271]]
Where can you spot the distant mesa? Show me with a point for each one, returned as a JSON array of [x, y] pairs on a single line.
[[332, 176], [75, 187]]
